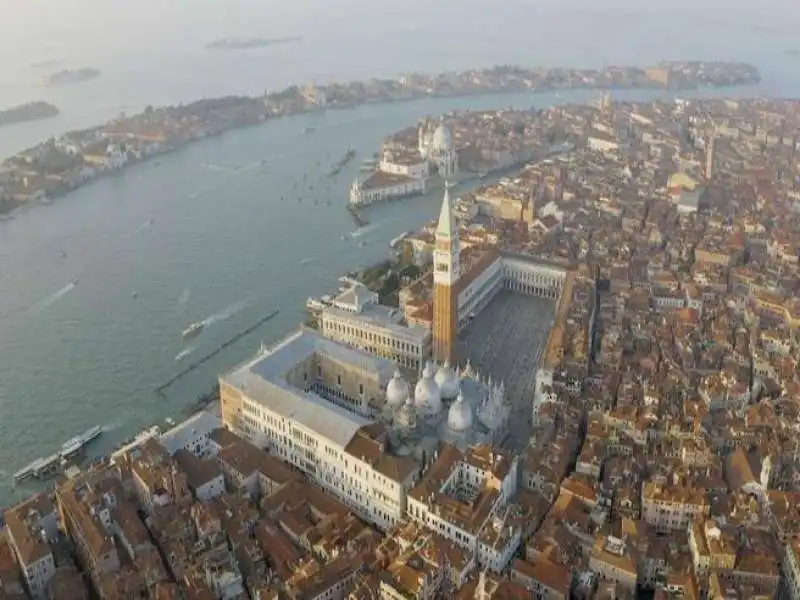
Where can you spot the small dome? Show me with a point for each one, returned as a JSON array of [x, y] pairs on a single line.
[[448, 381], [397, 390], [442, 138], [427, 397], [459, 418], [406, 416]]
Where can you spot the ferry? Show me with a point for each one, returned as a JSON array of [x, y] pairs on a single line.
[[73, 446], [194, 329], [46, 466]]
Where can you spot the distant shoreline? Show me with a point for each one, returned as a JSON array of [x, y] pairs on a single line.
[[160, 130], [250, 43], [30, 111], [70, 76]]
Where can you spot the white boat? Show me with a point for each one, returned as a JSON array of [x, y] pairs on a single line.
[[194, 329], [75, 444]]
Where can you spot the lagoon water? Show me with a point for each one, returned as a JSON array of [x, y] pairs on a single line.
[[96, 288]]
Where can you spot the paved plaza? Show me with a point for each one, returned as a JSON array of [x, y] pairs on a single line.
[[506, 341]]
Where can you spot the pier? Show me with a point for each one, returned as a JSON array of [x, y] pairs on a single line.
[[160, 389], [48, 465], [359, 218]]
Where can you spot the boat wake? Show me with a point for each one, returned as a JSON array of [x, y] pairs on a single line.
[[306, 261], [362, 231], [54, 297], [112, 426], [227, 313], [146, 225], [220, 169], [184, 353], [185, 295]]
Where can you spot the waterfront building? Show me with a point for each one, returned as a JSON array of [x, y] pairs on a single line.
[[357, 319], [405, 162], [30, 527], [191, 435], [307, 400], [382, 186]]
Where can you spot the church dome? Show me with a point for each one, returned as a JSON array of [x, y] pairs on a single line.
[[448, 381], [397, 391], [459, 418], [427, 397], [442, 139], [406, 418]]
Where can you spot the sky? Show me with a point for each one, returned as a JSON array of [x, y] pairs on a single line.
[[98, 24]]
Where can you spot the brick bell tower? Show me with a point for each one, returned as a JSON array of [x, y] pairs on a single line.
[[445, 276]]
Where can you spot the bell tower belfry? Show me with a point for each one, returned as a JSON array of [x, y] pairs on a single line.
[[445, 276]]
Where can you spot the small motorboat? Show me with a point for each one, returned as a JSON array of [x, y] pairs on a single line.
[[194, 329]]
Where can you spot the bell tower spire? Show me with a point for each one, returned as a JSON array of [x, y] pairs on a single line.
[[445, 276]]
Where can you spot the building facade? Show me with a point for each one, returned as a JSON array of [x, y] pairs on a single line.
[[31, 526], [357, 319], [283, 400], [463, 497], [381, 186]]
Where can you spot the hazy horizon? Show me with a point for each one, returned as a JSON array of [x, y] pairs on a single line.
[[153, 53]]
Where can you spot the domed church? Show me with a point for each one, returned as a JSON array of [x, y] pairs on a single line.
[[451, 405], [436, 146]]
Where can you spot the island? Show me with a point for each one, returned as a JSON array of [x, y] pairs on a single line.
[[66, 162], [69, 76], [249, 43], [30, 111]]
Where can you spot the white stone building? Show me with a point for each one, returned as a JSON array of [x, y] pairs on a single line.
[[409, 164], [381, 186], [436, 146], [358, 320], [284, 400]]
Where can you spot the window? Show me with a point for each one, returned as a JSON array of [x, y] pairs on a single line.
[[338, 380]]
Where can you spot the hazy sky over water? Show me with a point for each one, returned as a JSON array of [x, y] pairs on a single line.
[[115, 24]]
